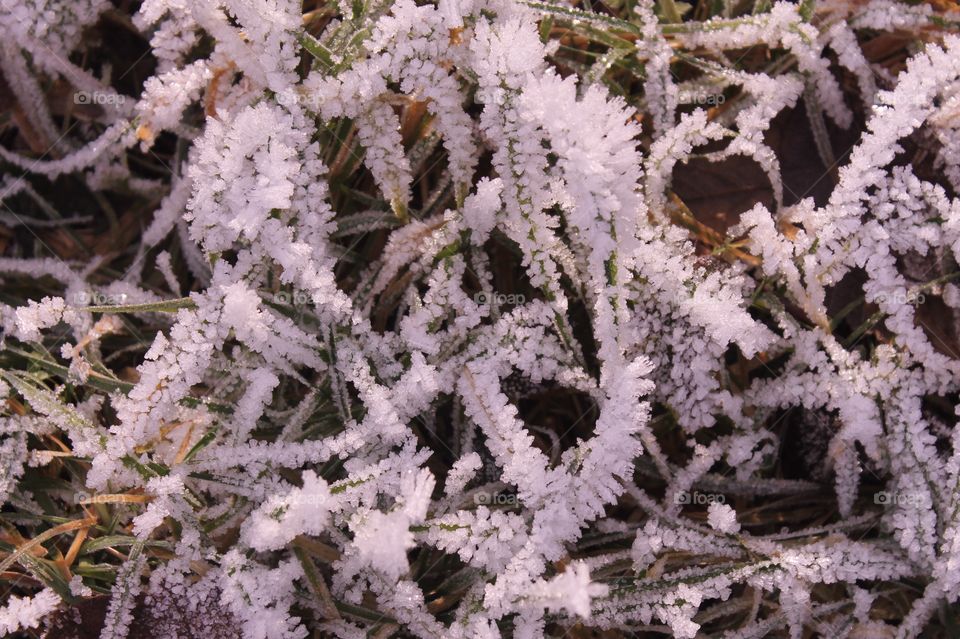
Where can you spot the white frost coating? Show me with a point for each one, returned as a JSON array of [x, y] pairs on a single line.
[[348, 387], [23, 613], [278, 520]]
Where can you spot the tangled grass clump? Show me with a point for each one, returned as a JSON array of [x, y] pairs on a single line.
[[482, 318]]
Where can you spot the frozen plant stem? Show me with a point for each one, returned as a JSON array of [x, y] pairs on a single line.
[[411, 340]]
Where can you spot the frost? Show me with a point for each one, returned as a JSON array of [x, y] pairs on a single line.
[[571, 590], [404, 229], [722, 518], [22, 613], [279, 519]]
